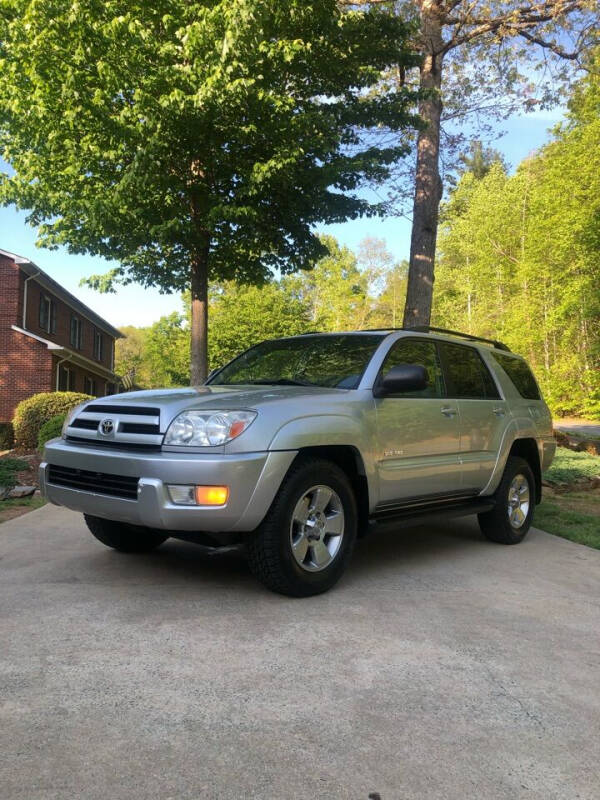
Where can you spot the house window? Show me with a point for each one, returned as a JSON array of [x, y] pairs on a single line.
[[66, 379], [98, 345], [76, 332], [111, 388], [89, 386], [47, 316]]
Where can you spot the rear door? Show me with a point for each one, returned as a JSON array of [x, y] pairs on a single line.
[[418, 434], [483, 412]]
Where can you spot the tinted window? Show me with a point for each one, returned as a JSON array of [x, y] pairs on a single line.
[[334, 360], [466, 374], [416, 351], [520, 374]]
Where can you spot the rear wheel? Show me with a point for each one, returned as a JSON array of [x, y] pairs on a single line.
[[510, 519], [123, 537], [305, 542]]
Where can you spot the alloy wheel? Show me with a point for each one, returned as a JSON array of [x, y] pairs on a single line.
[[317, 528], [518, 500]]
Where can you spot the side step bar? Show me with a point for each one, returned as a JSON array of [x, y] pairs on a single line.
[[433, 511]]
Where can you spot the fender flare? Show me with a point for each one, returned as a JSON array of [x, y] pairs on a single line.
[[330, 430], [517, 428]]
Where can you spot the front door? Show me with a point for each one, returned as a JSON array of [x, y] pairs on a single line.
[[418, 433]]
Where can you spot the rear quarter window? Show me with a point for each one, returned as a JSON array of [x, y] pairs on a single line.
[[520, 375]]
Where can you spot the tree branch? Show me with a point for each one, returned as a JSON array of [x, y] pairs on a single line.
[[514, 23], [552, 46]]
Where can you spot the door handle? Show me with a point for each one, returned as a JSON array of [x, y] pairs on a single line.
[[500, 412], [447, 411]]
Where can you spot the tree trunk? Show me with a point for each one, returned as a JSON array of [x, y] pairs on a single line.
[[199, 331], [428, 187]]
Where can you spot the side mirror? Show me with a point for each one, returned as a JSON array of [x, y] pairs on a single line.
[[402, 378]]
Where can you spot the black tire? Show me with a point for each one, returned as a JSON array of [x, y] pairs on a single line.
[[270, 551], [496, 524], [125, 538]]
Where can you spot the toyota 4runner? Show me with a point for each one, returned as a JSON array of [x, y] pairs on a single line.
[[296, 445]]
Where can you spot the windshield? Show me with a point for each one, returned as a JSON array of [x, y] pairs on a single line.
[[335, 360]]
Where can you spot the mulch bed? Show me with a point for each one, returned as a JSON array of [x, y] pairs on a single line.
[[578, 444], [28, 477]]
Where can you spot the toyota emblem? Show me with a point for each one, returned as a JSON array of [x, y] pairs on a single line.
[[107, 426]]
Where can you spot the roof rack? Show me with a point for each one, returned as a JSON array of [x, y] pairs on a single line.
[[427, 328]]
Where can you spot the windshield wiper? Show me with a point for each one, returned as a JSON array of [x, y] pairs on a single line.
[[282, 382]]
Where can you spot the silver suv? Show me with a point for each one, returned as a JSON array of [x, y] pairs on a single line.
[[296, 445]]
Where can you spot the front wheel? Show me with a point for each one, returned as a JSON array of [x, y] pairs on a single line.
[[305, 542], [510, 519], [123, 537]]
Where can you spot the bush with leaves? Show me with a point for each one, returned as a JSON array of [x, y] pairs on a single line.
[[32, 413], [50, 430], [8, 471], [7, 435]]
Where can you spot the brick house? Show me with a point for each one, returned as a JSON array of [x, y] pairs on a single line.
[[49, 340]]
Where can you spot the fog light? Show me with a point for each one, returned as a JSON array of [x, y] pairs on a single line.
[[183, 495], [211, 495]]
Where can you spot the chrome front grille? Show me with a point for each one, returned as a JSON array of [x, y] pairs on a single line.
[[117, 425]]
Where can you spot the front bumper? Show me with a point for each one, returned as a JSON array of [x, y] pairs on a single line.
[[253, 480]]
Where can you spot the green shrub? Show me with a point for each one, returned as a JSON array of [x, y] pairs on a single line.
[[8, 471], [33, 412], [50, 430], [7, 436]]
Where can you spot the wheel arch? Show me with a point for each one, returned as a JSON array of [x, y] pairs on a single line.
[[349, 459], [527, 448]]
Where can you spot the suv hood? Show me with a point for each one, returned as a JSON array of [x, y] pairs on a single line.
[[172, 401], [142, 418]]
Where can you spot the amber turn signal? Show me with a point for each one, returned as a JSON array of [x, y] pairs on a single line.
[[212, 495]]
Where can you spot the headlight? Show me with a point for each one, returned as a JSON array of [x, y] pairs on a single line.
[[70, 417], [207, 428]]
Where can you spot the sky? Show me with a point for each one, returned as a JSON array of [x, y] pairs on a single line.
[[133, 305]]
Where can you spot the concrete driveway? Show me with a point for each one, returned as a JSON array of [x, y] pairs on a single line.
[[441, 667]]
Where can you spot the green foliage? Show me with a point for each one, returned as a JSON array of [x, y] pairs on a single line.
[[50, 430], [130, 356], [245, 315], [7, 435], [32, 413], [167, 351], [520, 259], [196, 134], [333, 292], [241, 315], [569, 466], [8, 471]]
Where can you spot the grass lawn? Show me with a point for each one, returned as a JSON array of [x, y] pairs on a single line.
[[9, 509], [574, 515], [568, 466]]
